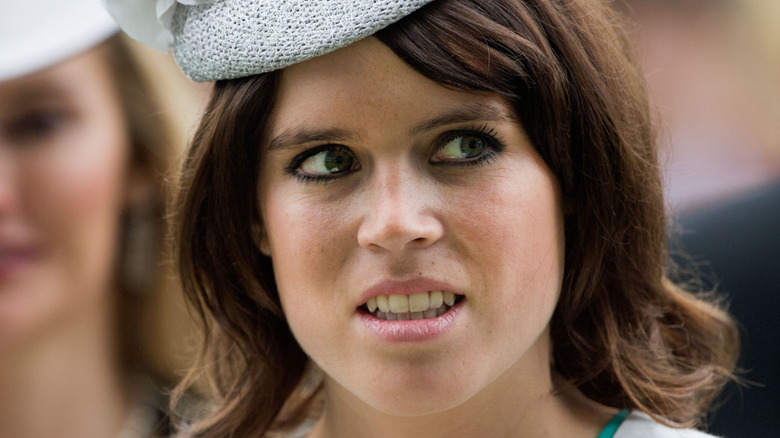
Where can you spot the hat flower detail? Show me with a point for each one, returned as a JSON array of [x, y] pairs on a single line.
[[149, 21]]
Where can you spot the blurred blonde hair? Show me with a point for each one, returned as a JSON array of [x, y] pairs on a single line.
[[161, 107]]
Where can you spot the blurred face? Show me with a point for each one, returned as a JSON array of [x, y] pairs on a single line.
[[415, 233], [63, 155]]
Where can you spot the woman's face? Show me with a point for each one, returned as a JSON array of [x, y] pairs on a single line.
[[382, 190], [63, 156]]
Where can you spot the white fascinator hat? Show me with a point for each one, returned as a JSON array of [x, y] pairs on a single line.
[[227, 39], [35, 34]]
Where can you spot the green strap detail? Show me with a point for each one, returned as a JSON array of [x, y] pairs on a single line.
[[614, 423]]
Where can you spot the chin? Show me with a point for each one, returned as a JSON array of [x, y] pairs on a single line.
[[413, 397]]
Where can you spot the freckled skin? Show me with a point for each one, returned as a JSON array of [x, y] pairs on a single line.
[[494, 231]]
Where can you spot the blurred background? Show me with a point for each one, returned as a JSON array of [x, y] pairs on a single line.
[[93, 328], [713, 68]]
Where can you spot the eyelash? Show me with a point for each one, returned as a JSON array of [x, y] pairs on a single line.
[[494, 143], [294, 167]]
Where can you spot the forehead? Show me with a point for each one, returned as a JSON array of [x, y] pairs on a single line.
[[364, 83], [369, 61], [76, 77]]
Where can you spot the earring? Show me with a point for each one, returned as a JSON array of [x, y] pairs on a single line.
[[140, 242]]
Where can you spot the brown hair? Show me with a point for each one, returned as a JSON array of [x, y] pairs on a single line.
[[622, 333], [141, 273]]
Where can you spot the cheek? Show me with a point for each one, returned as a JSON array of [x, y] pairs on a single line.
[[300, 233], [72, 195], [519, 217], [309, 244], [515, 232], [306, 256], [81, 196], [85, 189]]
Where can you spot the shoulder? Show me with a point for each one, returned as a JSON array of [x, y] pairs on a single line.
[[639, 425]]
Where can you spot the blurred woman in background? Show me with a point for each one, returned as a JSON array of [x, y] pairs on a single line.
[[84, 147]]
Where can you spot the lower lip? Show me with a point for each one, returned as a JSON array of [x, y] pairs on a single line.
[[419, 330], [15, 264]]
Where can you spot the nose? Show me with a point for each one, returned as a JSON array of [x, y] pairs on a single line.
[[401, 213]]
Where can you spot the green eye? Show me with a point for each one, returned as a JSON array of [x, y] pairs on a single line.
[[463, 147], [330, 161]]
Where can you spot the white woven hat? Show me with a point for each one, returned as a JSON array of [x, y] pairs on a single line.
[[226, 39], [35, 34]]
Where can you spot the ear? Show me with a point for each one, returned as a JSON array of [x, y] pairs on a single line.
[[260, 238]]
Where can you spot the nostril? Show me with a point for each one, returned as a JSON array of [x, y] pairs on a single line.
[[398, 213], [408, 230]]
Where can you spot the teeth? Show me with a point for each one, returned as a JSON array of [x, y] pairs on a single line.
[[424, 305], [371, 304], [436, 299], [399, 303], [449, 298], [418, 302], [382, 303]]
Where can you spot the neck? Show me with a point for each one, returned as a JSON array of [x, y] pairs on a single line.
[[65, 382]]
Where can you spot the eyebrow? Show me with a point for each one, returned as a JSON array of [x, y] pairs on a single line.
[[35, 92], [462, 114], [468, 113], [300, 135]]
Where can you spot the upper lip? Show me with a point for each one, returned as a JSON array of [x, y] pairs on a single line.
[[16, 246], [405, 287]]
